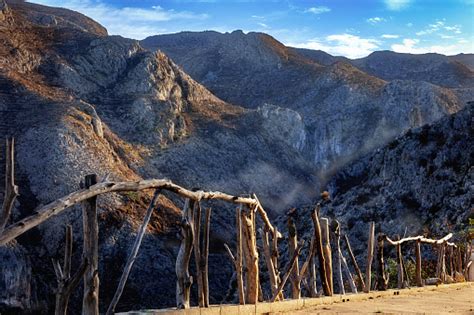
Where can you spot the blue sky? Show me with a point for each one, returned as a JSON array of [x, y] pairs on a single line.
[[340, 27]]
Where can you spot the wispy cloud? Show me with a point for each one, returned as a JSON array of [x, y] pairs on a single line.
[[412, 46], [318, 10], [130, 22], [397, 5], [351, 46], [439, 26], [390, 36], [375, 20]]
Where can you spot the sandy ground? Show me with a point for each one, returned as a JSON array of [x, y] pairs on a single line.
[[441, 301]]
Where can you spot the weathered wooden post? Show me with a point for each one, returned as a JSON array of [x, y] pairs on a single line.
[[288, 271], [419, 280], [251, 256], [11, 190], [382, 281], [441, 266], [451, 265], [354, 262], [295, 272], [313, 289], [205, 257], [401, 277], [133, 253], [184, 280], [327, 252], [319, 246], [370, 256], [90, 301], [197, 250], [66, 283], [237, 260], [337, 233], [272, 274]]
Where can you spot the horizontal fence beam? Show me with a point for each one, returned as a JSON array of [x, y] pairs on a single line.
[[58, 206]]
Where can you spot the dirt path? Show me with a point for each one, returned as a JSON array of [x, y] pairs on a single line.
[[440, 301]]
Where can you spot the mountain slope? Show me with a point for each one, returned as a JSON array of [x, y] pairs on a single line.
[[80, 102], [345, 111], [421, 183], [434, 68]]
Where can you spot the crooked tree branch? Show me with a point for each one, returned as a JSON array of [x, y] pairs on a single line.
[[61, 204], [422, 239]]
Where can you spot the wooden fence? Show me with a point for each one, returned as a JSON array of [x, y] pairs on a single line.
[[195, 227]]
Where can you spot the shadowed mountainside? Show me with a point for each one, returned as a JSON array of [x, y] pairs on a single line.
[[345, 111], [80, 102]]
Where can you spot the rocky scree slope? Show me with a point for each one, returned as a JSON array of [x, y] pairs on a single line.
[[79, 102], [345, 111]]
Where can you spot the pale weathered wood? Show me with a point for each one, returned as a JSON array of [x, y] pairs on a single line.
[[306, 264], [205, 257], [382, 280], [58, 206], [327, 252], [441, 267], [313, 289], [354, 262], [272, 275], [66, 283], [290, 266], [421, 239], [197, 251], [237, 260], [319, 246], [400, 271], [419, 279], [370, 256], [337, 233], [250, 256], [348, 273], [184, 280], [90, 301], [11, 190], [295, 272], [133, 253], [265, 219]]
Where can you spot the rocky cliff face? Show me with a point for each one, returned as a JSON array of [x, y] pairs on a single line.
[[346, 110], [80, 102], [421, 183]]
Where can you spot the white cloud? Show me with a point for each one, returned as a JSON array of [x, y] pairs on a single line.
[[440, 26], [317, 10], [410, 24], [132, 22], [263, 25], [412, 46], [375, 20], [397, 5], [390, 36], [348, 45]]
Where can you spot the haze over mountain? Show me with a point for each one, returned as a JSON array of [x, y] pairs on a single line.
[[235, 112]]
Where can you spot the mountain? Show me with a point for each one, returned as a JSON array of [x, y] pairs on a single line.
[[345, 111], [421, 183], [77, 102], [251, 116], [437, 69]]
